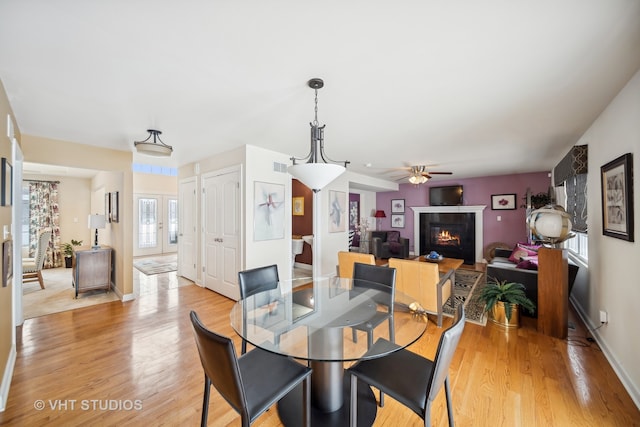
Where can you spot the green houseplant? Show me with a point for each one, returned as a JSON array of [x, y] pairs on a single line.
[[502, 301], [67, 250]]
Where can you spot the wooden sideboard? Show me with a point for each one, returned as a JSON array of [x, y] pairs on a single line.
[[91, 269]]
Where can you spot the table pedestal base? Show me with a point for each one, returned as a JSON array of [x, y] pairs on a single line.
[[290, 408]]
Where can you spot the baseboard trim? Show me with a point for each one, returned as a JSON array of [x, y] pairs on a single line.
[[624, 378], [6, 378]]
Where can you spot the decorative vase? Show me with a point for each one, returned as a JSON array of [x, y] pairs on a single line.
[[498, 316], [67, 261]]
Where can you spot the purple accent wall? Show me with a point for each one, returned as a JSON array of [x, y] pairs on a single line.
[[477, 191]]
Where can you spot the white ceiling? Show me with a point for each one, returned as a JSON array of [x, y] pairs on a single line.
[[474, 87]]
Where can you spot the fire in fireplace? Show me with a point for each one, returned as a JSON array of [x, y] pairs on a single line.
[[446, 235], [450, 234]]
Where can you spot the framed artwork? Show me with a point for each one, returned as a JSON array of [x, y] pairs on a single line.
[[337, 211], [397, 221], [617, 198], [107, 207], [6, 197], [503, 202], [115, 217], [354, 218], [7, 261], [397, 206], [297, 206], [268, 213]]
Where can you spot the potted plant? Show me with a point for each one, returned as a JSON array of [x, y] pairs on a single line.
[[67, 250], [502, 301]]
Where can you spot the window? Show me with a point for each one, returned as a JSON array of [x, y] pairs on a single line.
[[575, 203], [24, 223]]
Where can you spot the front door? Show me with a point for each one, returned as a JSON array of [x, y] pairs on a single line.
[[156, 228], [221, 212]]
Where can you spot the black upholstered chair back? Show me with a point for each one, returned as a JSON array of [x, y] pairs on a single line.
[[257, 280], [254, 281], [375, 277], [446, 349], [220, 363]]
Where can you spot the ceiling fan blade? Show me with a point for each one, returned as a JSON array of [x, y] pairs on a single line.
[[440, 173]]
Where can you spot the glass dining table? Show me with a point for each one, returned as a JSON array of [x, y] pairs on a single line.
[[314, 321]]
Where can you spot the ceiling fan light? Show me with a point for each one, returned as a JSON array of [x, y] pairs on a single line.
[[418, 179]]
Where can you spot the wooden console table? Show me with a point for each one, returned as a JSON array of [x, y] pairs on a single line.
[[91, 269]]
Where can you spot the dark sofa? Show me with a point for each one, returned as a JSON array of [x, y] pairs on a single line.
[[500, 268], [384, 246]]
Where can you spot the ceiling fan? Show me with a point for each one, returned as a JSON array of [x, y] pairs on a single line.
[[419, 175]]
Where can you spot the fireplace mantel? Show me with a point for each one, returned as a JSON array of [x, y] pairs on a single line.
[[478, 210]]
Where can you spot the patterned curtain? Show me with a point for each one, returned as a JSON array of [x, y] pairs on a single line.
[[43, 213]]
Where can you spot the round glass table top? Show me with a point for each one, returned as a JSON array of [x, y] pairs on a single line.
[[318, 319]]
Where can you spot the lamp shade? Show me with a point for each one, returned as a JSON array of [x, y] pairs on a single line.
[[550, 224], [153, 149], [418, 179], [380, 214], [97, 221], [316, 176]]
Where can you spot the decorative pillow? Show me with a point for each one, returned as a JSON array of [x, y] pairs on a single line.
[[527, 265], [393, 236], [519, 252]]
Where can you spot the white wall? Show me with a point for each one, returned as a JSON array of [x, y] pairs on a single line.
[[260, 167], [612, 281]]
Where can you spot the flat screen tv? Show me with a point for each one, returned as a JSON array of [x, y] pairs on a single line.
[[450, 195]]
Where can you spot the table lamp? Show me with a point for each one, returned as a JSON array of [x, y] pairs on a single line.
[[379, 215], [97, 221]]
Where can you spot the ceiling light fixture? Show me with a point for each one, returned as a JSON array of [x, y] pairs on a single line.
[[153, 148], [319, 170], [418, 179]]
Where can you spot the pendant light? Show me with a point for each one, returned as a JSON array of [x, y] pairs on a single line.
[[319, 170]]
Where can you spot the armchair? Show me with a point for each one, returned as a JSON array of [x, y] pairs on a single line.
[[32, 267], [422, 280], [387, 244]]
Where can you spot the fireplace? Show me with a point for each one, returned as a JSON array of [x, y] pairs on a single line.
[[453, 231], [450, 234]]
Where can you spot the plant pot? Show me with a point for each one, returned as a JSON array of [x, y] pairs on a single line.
[[498, 316], [67, 261]]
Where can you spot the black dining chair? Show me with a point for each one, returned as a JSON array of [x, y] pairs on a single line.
[[409, 378], [379, 278], [252, 383], [253, 281]]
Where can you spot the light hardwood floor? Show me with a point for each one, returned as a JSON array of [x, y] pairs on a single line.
[[136, 363]]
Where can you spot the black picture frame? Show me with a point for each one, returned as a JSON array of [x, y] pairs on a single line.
[[502, 202], [616, 181], [107, 207], [397, 206], [7, 262], [115, 217], [397, 221], [6, 196]]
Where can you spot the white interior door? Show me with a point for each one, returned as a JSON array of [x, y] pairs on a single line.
[[187, 226], [156, 228], [221, 229]]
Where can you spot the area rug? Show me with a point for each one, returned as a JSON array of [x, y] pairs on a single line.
[[152, 266], [466, 291], [58, 295]]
